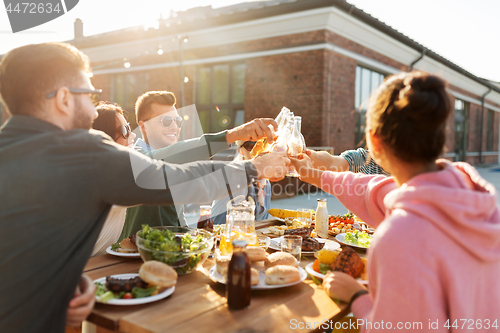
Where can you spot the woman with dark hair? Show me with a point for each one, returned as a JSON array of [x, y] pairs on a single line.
[[434, 260], [111, 121]]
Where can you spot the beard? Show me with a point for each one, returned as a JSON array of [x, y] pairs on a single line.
[[81, 119]]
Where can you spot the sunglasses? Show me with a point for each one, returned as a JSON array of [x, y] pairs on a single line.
[[125, 130], [166, 121], [95, 94], [248, 145]]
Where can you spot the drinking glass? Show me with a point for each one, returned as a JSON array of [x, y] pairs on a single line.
[[292, 244], [305, 216]]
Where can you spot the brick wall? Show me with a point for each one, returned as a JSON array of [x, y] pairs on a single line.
[[338, 107], [293, 80], [317, 85]]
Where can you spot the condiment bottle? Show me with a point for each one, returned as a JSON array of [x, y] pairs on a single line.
[[322, 219], [205, 221], [238, 286]]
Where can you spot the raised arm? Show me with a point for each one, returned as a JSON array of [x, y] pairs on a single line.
[[323, 160], [361, 194], [132, 178]]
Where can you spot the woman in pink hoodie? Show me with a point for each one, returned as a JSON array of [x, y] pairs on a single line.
[[434, 261]]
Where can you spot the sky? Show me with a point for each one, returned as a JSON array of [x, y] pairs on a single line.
[[463, 31]]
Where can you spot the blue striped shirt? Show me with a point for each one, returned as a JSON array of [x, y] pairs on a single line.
[[360, 161]]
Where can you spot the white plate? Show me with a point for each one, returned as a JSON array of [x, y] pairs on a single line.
[[134, 301], [122, 254], [311, 271], [341, 239], [217, 277], [276, 244]]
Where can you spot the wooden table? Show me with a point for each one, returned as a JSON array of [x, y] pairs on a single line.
[[199, 304]]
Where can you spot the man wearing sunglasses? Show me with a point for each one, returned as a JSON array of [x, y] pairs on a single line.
[[160, 125], [59, 180]]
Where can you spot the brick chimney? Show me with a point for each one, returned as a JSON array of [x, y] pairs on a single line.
[[78, 28]]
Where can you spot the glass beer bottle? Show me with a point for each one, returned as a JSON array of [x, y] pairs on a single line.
[[238, 285], [205, 221]]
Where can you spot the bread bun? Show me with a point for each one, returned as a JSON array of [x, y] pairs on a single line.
[[282, 274], [126, 246], [158, 274], [255, 276], [256, 253], [280, 258], [221, 264]]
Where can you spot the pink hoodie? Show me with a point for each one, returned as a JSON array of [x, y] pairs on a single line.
[[435, 257]]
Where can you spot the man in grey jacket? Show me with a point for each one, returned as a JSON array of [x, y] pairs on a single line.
[[160, 125], [59, 180]]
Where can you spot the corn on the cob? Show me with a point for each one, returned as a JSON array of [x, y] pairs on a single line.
[[282, 213]]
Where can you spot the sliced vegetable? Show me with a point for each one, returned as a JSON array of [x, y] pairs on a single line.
[[141, 292], [324, 268]]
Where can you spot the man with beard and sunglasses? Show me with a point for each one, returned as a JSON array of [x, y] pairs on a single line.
[[160, 125], [59, 180]]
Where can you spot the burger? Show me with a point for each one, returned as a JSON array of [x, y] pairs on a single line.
[[127, 246], [159, 274]]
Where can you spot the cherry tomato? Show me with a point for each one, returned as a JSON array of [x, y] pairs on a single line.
[[127, 296], [316, 266]]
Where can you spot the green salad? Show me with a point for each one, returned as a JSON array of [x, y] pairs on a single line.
[[360, 238], [187, 248]]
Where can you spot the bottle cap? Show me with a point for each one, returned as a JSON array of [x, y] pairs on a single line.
[[322, 200]]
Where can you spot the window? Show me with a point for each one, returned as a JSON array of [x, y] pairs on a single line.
[[491, 129], [460, 130], [127, 88], [366, 83], [220, 96]]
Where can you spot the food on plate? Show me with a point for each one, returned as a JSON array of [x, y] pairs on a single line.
[[349, 262], [278, 230], [282, 274], [280, 258], [221, 264], [346, 218], [256, 253], [158, 274], [254, 276], [326, 255], [359, 238], [118, 285], [338, 224], [310, 244], [340, 228], [153, 276], [127, 245], [304, 232], [327, 261]]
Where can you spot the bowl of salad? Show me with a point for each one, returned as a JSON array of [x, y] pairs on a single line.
[[182, 248]]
